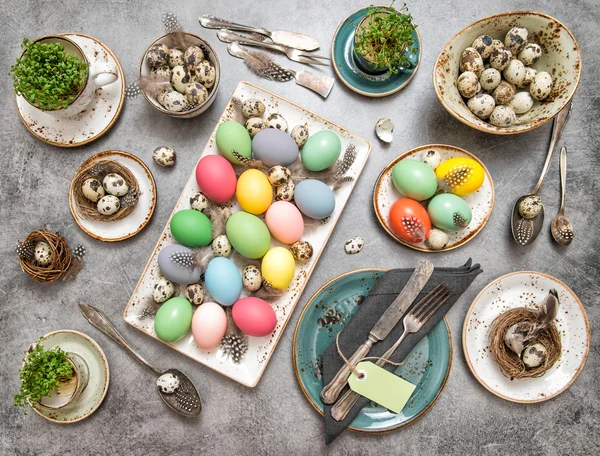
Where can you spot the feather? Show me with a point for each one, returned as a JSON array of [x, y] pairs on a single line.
[[218, 216], [339, 182], [247, 162], [181, 40], [147, 308], [341, 167], [75, 268], [154, 85], [202, 256]]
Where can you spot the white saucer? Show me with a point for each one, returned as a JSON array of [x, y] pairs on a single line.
[[90, 124]]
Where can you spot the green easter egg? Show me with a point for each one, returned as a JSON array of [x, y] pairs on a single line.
[[174, 319], [232, 135], [248, 234], [191, 228], [321, 150], [449, 212], [414, 179]]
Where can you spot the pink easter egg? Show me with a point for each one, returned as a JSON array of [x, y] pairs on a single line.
[[208, 325], [285, 222]]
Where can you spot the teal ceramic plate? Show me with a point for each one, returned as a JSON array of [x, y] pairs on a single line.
[[427, 366], [357, 80]]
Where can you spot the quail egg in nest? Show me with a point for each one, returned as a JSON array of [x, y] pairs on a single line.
[[108, 205], [42, 253], [92, 189]]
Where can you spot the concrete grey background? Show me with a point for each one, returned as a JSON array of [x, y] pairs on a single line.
[[274, 418]]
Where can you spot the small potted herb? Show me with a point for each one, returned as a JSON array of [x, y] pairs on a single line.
[[383, 38]]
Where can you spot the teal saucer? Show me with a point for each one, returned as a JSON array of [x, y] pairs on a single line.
[[324, 316], [353, 76]]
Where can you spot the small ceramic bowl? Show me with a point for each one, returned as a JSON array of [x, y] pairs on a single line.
[[209, 54], [561, 58]]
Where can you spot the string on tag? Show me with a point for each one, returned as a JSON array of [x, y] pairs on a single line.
[[356, 372]]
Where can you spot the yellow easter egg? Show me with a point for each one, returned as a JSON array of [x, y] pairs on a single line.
[[460, 175], [254, 191], [278, 267]]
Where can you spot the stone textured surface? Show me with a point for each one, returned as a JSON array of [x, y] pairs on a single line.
[[274, 418]]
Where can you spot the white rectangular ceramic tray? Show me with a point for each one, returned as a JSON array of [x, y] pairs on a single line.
[[260, 349]]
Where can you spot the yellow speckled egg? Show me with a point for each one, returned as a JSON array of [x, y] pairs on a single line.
[[460, 175], [278, 267], [254, 191]]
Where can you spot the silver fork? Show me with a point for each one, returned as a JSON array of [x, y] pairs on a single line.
[[413, 322], [227, 36]]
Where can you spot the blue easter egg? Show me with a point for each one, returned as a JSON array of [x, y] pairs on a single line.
[[223, 281], [314, 199]]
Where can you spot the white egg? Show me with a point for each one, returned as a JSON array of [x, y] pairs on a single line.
[[530, 53], [193, 56], [251, 278], [432, 158], [199, 202], [163, 290], [521, 102], [490, 79], [254, 125], [92, 189], [541, 86], [468, 84], [500, 58], [194, 293], [168, 383], [175, 58], [164, 156], [514, 72], [300, 134], [470, 60], [483, 45], [437, 239], [516, 39], [196, 93], [174, 101], [276, 120], [206, 74], [115, 184], [180, 78], [504, 93], [221, 246], [482, 105], [278, 175], [108, 205], [42, 253], [253, 107], [503, 116]]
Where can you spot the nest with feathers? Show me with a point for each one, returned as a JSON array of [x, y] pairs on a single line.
[[61, 256]]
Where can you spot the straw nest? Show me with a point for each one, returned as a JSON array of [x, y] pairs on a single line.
[[61, 257]]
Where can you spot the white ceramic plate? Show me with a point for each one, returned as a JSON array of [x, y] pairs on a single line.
[[93, 394], [526, 289], [132, 224], [481, 202], [252, 366], [90, 124]]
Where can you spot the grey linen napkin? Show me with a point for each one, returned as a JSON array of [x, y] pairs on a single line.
[[357, 330]]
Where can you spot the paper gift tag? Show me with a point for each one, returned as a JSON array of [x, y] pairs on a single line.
[[381, 386]]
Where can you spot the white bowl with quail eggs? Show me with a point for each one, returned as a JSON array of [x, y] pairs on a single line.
[[508, 73], [180, 82]]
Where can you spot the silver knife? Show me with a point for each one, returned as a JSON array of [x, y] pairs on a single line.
[[382, 328], [291, 39]]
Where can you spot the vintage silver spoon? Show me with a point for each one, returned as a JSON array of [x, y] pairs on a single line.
[[524, 233], [561, 228], [185, 400]]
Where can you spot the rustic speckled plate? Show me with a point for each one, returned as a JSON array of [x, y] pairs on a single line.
[[427, 365], [561, 58], [90, 124], [526, 289], [481, 202], [95, 391], [135, 222]]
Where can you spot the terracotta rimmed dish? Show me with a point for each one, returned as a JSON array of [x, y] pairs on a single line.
[[92, 396], [95, 120], [135, 222], [428, 365], [481, 202], [138, 312], [209, 53], [526, 289], [561, 58]]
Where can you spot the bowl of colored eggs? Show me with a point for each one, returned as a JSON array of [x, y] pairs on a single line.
[[434, 198], [508, 73]]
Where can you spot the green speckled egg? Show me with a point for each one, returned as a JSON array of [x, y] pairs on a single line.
[[321, 150], [248, 234], [414, 179], [449, 212], [191, 228], [174, 319], [232, 135]]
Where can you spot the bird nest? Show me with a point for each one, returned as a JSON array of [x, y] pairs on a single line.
[[510, 364], [61, 257], [98, 170]]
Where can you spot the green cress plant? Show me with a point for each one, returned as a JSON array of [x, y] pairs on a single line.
[[386, 37], [47, 76]]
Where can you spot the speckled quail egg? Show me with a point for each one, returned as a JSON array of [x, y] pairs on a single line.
[[534, 355], [514, 72], [180, 78], [174, 101], [500, 58], [285, 192], [521, 103], [300, 134], [251, 278], [108, 205], [168, 383], [206, 74], [468, 84], [497, 44], [483, 45], [302, 251], [163, 290], [437, 239], [194, 293], [354, 245], [253, 107], [157, 55], [504, 93], [541, 86], [490, 79], [516, 39], [529, 77], [42, 253], [531, 206], [530, 53], [278, 175], [115, 184], [254, 125], [175, 58], [503, 116], [160, 97], [163, 72], [432, 158], [193, 56], [482, 105], [92, 189], [470, 60], [196, 93], [276, 120], [164, 156], [199, 202], [221, 246]]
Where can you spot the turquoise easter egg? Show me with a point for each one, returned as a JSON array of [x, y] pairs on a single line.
[[223, 280], [232, 135], [191, 228], [321, 150], [248, 234], [449, 212], [414, 179], [173, 319]]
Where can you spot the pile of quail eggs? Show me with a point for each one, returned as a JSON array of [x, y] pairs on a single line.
[[106, 194], [492, 71], [190, 73]]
